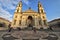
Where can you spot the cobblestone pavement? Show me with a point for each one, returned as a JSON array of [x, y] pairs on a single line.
[[18, 35]]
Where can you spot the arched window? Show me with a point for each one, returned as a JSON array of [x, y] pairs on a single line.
[[15, 16], [19, 22], [30, 17], [42, 10], [43, 17], [19, 5], [17, 10], [40, 5], [14, 22]]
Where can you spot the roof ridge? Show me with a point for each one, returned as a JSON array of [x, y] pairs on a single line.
[[4, 19]]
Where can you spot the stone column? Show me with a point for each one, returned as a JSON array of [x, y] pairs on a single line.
[[16, 24], [46, 26], [22, 23], [42, 23], [46, 23], [36, 23]]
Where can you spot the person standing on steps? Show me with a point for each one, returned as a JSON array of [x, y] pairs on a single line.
[[51, 28], [34, 29], [9, 27]]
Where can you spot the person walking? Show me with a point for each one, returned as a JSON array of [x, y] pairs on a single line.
[[34, 29], [9, 28]]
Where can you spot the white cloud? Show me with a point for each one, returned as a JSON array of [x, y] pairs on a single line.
[[26, 2], [9, 5], [5, 14]]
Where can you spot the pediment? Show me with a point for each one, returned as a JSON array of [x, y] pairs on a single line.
[[29, 10]]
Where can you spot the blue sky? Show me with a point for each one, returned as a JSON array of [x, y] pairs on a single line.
[[51, 7]]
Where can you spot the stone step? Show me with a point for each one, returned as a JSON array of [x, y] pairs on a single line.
[[3, 28]]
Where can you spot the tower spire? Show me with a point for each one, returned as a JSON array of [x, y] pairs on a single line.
[[19, 7], [40, 8]]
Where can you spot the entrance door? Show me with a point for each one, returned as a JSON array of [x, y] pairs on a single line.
[[30, 21]]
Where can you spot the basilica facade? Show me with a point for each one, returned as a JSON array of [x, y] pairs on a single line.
[[23, 19]]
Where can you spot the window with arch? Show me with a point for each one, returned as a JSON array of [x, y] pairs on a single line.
[[19, 22], [42, 10], [16, 16], [19, 5], [43, 17], [14, 22], [40, 5], [18, 10]]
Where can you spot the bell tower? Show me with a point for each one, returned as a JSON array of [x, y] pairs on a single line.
[[19, 7], [17, 15], [42, 17], [40, 8]]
